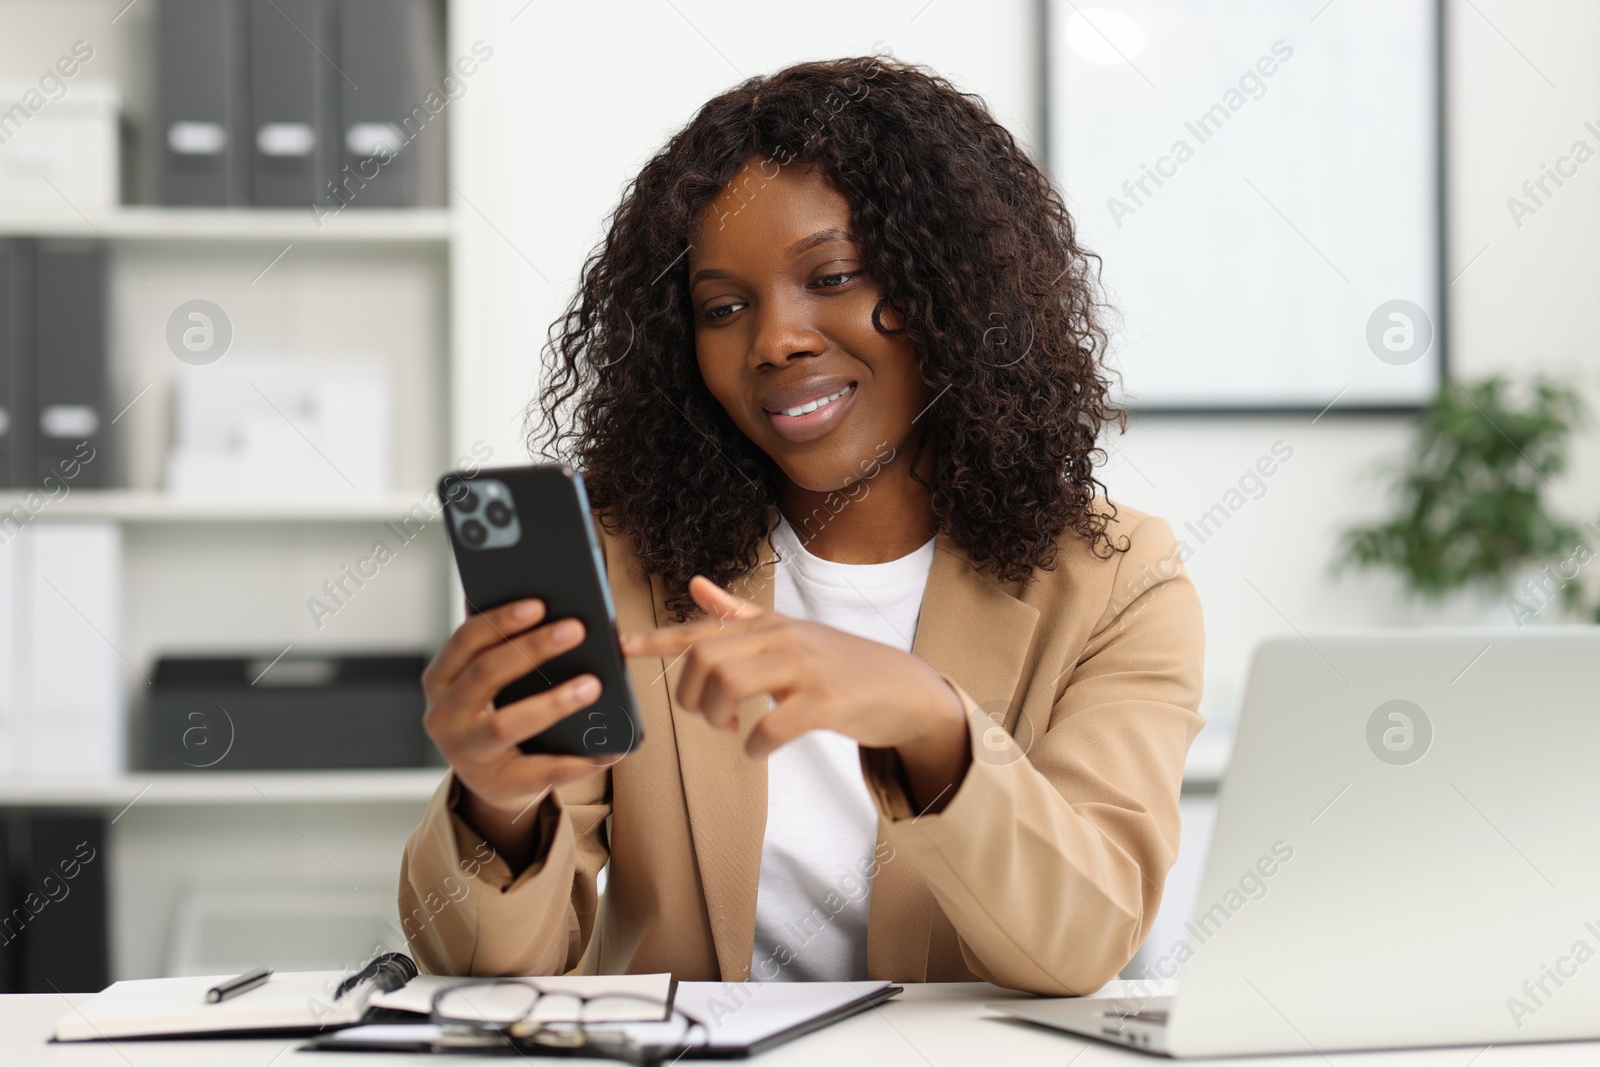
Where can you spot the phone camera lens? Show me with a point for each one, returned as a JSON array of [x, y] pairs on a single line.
[[498, 513], [474, 532], [466, 501]]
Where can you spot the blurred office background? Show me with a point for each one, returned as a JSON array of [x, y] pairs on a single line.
[[226, 384]]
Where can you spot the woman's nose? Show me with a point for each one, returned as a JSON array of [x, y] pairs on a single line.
[[784, 332]]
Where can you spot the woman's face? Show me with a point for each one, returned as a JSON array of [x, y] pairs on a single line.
[[783, 328]]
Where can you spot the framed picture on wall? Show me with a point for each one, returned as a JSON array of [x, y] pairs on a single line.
[[1262, 181]]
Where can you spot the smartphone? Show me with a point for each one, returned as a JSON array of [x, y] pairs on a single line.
[[521, 532]]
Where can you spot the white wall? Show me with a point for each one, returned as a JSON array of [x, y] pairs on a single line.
[[577, 96]]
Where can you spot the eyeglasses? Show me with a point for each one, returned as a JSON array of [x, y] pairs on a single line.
[[515, 1013]]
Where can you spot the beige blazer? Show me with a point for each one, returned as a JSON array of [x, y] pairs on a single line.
[[1042, 872]]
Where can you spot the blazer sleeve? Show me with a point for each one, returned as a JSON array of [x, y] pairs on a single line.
[[1050, 862], [462, 911]]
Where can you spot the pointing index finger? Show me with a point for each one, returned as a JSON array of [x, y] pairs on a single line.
[[718, 602], [669, 640], [723, 608]]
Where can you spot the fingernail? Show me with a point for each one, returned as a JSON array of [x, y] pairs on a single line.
[[567, 631], [586, 688], [528, 609]]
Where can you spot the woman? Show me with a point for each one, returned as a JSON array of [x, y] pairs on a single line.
[[834, 381]]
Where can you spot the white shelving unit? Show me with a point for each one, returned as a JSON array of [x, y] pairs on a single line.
[[234, 575]]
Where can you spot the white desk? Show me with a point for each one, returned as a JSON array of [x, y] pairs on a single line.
[[926, 1026]]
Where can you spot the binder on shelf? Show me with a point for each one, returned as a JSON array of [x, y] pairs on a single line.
[[68, 643], [56, 936], [69, 362], [52, 362], [205, 119], [393, 148], [16, 363], [14, 615], [294, 94], [10, 951]]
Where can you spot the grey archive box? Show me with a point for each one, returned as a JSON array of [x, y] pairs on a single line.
[[244, 713]]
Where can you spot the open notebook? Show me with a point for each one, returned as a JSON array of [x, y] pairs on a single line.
[[302, 1001]]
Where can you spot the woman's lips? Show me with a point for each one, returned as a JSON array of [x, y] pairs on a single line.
[[813, 424]]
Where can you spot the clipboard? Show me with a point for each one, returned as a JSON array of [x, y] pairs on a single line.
[[767, 1015]]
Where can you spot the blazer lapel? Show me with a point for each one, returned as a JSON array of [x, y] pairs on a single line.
[[726, 793], [977, 635], [974, 632]]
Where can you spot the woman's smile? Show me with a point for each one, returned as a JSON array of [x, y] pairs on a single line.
[[807, 409]]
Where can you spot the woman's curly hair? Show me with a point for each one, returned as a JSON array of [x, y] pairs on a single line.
[[975, 251]]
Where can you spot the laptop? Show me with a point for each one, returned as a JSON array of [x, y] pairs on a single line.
[[1406, 854]]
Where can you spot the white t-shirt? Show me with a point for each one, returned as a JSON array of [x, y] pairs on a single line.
[[822, 827]]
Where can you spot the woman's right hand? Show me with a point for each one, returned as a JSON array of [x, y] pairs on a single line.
[[502, 785]]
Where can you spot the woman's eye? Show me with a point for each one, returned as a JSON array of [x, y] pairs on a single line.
[[833, 281], [721, 311]]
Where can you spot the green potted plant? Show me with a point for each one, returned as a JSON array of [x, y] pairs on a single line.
[[1469, 508]]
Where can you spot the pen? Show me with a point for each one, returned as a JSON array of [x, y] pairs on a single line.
[[234, 986]]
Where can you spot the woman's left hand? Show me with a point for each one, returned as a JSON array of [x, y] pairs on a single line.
[[820, 678]]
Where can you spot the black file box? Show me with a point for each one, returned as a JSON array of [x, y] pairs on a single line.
[[52, 363], [69, 352], [237, 713], [205, 109], [16, 363], [294, 102], [391, 49]]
